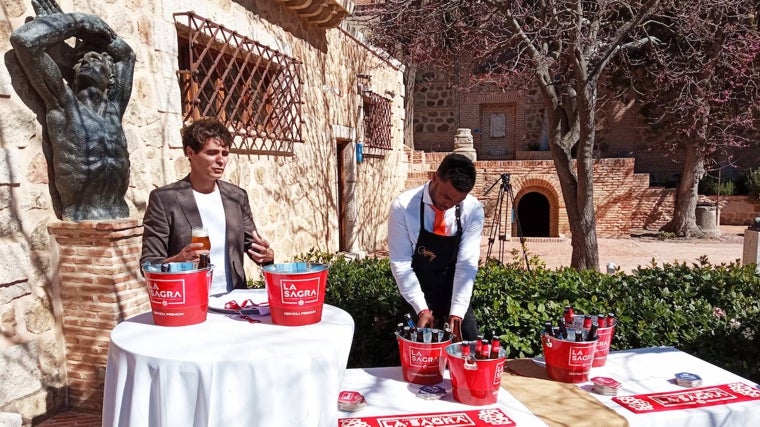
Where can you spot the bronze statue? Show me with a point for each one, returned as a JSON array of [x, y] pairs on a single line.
[[90, 162]]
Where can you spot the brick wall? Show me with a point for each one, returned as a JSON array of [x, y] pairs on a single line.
[[618, 192], [99, 284], [737, 210]]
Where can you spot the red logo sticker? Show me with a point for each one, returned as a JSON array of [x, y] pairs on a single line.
[[167, 292], [423, 357], [300, 292]]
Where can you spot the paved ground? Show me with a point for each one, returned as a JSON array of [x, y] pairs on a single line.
[[625, 253], [628, 254]]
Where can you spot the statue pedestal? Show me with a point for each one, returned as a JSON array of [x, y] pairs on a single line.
[[463, 144], [751, 253], [99, 284]]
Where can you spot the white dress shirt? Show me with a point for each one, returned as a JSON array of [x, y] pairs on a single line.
[[403, 229]]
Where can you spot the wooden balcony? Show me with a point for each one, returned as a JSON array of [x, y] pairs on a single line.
[[321, 13]]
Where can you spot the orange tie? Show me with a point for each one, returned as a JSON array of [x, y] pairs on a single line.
[[439, 226]]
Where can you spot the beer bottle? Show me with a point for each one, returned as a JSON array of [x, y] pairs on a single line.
[[586, 321], [409, 321], [562, 333], [426, 335], [548, 330], [611, 320], [407, 333], [578, 335], [591, 334], [568, 316], [465, 346], [601, 320], [165, 267], [485, 349], [478, 345], [495, 346], [467, 355], [203, 261], [434, 335]]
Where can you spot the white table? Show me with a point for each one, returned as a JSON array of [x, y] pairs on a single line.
[[226, 372], [387, 393], [652, 370]]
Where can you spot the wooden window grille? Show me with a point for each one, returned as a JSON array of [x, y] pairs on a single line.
[[377, 123], [253, 89]]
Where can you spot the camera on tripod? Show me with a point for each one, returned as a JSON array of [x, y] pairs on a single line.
[[505, 178]]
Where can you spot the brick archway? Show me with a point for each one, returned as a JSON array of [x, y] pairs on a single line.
[[538, 186]]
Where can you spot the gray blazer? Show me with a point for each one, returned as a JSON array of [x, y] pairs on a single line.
[[172, 213]]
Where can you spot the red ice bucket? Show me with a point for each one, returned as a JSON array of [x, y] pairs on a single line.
[[420, 361], [178, 298], [568, 361], [296, 292], [474, 382], [603, 345]]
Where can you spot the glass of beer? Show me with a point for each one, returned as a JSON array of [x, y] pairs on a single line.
[[200, 235]]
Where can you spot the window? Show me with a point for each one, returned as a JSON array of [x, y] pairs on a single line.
[[255, 90], [377, 123]]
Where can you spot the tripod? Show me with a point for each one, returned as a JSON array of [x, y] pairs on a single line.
[[496, 223]]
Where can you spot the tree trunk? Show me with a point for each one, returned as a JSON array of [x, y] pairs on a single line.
[[584, 242], [577, 193], [410, 75], [684, 222]]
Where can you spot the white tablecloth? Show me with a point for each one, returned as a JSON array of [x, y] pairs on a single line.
[[652, 370], [226, 372], [387, 393]]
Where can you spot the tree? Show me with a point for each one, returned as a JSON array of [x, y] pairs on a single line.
[[562, 46], [699, 84]]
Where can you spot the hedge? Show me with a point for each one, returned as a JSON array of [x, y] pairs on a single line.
[[709, 311]]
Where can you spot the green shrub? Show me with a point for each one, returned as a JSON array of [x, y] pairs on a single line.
[[710, 186], [752, 183], [710, 311]]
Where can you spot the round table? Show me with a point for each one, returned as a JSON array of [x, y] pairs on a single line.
[[226, 372]]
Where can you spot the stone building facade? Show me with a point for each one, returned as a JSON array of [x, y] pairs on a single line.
[[508, 125], [64, 285]]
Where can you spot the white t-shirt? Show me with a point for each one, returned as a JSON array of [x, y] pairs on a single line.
[[212, 214]]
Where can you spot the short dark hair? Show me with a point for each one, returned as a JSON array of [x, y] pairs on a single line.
[[459, 170], [200, 130]]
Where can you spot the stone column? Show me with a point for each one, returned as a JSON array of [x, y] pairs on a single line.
[[463, 144], [707, 219], [99, 285], [751, 252]]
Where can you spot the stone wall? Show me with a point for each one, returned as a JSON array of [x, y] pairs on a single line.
[[294, 198]]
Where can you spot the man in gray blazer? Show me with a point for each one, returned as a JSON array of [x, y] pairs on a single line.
[[202, 199]]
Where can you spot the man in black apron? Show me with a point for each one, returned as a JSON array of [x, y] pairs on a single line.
[[435, 270]]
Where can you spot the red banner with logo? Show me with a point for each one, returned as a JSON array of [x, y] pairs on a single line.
[[690, 398], [486, 417]]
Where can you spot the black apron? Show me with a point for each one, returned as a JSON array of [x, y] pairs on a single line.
[[434, 263]]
